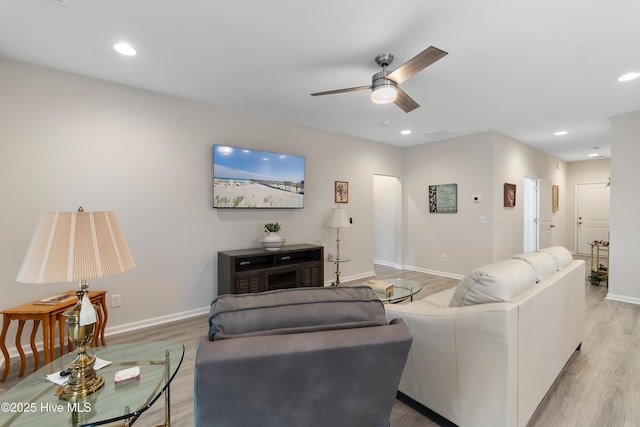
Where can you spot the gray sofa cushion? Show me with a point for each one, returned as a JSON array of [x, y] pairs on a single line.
[[295, 310]]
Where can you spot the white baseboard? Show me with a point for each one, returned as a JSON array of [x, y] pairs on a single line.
[[388, 264], [115, 330], [350, 278], [418, 269], [622, 298], [154, 321], [434, 272]]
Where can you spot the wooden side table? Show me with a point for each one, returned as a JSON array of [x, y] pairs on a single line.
[[50, 315]]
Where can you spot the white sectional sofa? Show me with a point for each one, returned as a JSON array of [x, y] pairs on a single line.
[[486, 352]]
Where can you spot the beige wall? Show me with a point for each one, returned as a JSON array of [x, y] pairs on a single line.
[[625, 205], [67, 140], [467, 162], [513, 161], [480, 164]]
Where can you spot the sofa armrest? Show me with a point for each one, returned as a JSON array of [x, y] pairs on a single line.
[[463, 361]]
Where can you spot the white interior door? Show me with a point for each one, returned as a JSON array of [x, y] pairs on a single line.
[[592, 215], [387, 214], [544, 214]]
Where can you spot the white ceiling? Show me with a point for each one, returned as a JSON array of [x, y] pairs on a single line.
[[523, 68]]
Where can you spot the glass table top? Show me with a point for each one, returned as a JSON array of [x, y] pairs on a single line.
[[32, 402], [402, 289]]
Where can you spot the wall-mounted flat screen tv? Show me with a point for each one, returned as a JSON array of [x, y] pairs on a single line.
[[245, 178]]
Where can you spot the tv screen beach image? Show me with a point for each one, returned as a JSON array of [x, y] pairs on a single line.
[[245, 178]]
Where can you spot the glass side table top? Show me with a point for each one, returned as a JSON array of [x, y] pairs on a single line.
[[32, 402], [402, 289]]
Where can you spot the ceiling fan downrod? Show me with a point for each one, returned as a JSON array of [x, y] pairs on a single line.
[[383, 90]]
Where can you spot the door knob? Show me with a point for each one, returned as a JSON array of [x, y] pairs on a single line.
[[579, 222], [553, 226]]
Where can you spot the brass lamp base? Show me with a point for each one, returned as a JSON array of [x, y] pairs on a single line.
[[83, 379]]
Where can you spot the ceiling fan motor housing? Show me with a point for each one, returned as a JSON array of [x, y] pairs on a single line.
[[380, 79], [383, 90]]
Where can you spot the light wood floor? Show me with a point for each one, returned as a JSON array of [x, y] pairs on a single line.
[[600, 386]]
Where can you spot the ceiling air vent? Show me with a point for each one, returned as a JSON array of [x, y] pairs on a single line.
[[440, 134], [65, 3]]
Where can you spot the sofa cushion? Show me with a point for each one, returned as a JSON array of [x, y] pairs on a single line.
[[560, 254], [543, 264], [439, 299], [294, 311], [496, 282]]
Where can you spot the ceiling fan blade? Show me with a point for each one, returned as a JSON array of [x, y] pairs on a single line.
[[349, 89], [416, 64], [405, 102]]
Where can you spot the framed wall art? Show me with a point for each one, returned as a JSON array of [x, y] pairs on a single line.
[[443, 198], [509, 195], [555, 190], [342, 192]]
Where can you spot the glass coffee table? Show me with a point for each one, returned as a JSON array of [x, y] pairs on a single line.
[[402, 289], [33, 401]]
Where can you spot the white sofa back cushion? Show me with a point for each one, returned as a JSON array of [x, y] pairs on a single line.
[[543, 264], [560, 254], [496, 282]]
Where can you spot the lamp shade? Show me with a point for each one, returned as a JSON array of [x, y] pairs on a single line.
[[75, 246], [337, 219]]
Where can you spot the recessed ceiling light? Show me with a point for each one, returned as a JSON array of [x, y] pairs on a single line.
[[594, 155], [406, 132], [125, 49], [628, 76], [560, 133]]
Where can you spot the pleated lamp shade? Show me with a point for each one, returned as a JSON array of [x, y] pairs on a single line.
[[338, 218], [75, 246]]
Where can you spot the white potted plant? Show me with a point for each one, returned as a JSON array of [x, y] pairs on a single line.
[[272, 240], [271, 232]]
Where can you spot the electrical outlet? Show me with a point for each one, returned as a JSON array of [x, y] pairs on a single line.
[[444, 258], [116, 301]]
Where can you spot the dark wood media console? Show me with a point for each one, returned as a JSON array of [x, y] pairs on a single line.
[[257, 270]]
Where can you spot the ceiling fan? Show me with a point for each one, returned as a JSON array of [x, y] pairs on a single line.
[[384, 85]]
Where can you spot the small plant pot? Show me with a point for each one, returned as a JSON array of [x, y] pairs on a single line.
[[272, 237]]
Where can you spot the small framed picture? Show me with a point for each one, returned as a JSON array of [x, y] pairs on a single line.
[[555, 190], [342, 192], [509, 195]]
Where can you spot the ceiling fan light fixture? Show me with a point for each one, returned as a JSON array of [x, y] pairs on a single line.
[[384, 94]]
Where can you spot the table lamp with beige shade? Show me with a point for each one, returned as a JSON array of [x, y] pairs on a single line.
[[76, 247]]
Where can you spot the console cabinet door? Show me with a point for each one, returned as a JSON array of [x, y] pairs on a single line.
[[249, 283], [311, 274]]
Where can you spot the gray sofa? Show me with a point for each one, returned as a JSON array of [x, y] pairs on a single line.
[[299, 357]]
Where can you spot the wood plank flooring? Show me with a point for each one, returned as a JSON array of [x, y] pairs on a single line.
[[600, 386]]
